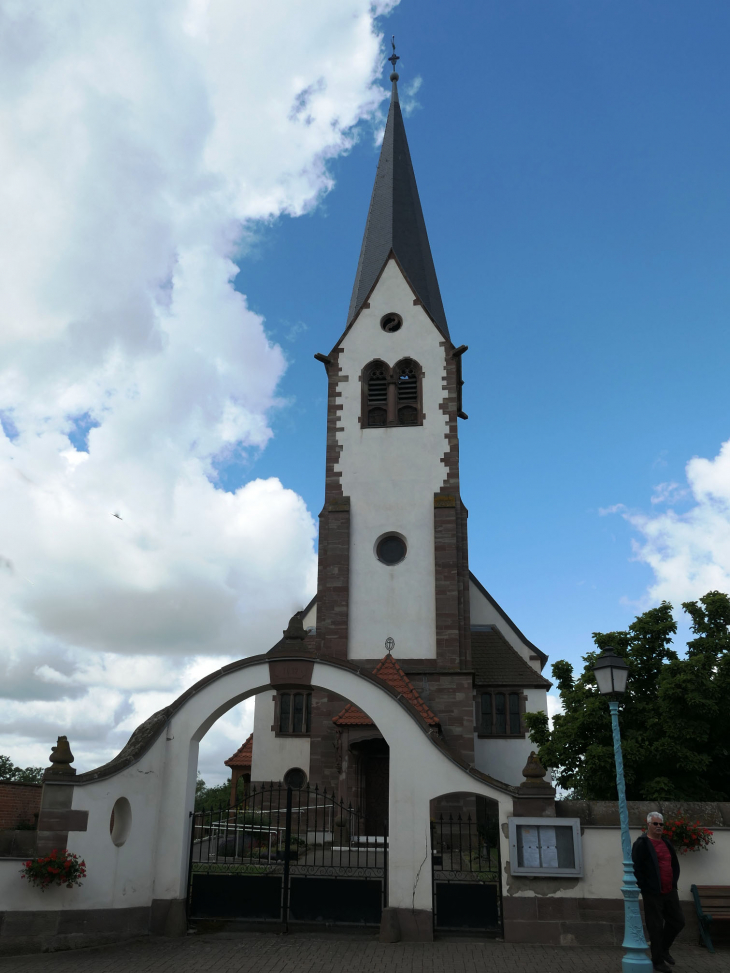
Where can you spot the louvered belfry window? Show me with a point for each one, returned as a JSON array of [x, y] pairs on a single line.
[[378, 395], [392, 396], [407, 379]]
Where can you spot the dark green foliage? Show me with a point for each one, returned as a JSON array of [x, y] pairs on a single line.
[[675, 716], [211, 798], [9, 772]]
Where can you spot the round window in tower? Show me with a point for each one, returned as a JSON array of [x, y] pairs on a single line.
[[391, 322], [391, 549]]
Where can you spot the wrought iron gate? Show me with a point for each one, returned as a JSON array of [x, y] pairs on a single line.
[[286, 855], [466, 880]]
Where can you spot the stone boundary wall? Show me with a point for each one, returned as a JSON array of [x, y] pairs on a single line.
[[19, 803], [590, 910], [605, 813]]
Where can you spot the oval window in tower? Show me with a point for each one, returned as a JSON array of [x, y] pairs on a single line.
[[391, 322], [391, 549]]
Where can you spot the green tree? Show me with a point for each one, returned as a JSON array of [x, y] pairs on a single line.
[[9, 772], [211, 798], [675, 718]]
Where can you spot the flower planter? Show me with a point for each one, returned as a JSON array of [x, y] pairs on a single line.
[[58, 868]]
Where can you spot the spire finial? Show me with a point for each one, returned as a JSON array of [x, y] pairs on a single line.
[[393, 60]]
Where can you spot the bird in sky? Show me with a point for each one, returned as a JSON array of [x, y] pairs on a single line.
[[117, 516]]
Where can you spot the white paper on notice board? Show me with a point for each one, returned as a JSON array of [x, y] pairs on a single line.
[[548, 847], [530, 846]]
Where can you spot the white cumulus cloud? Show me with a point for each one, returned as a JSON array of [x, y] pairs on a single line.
[[141, 143], [688, 551]]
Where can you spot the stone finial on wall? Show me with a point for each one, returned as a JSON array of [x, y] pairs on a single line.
[[536, 796], [295, 629], [534, 774], [61, 759]]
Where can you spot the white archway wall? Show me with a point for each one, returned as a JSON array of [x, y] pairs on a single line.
[[152, 863], [418, 773]]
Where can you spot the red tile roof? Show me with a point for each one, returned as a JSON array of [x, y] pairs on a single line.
[[242, 756], [390, 672]]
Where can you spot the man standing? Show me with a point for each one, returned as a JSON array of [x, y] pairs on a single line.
[[657, 871]]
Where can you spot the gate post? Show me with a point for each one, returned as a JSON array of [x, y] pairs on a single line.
[[287, 855], [410, 900]]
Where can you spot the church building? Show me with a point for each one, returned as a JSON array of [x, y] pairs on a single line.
[[395, 594]]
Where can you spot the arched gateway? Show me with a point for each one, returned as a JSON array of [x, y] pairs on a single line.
[[144, 865]]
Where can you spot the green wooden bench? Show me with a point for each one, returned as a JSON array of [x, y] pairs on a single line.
[[713, 905]]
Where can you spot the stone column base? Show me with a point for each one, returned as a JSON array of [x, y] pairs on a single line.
[[168, 917], [45, 931], [406, 926]]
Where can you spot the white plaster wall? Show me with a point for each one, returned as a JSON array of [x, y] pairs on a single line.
[[504, 758], [160, 787], [603, 869], [272, 755], [482, 612], [117, 877], [419, 772], [391, 475]]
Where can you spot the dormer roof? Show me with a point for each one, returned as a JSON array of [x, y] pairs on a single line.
[[390, 672], [243, 756]]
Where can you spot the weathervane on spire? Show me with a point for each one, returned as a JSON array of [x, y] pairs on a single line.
[[393, 59]]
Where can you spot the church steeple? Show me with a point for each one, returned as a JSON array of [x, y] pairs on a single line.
[[395, 223]]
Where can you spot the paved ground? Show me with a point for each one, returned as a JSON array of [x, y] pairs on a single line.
[[265, 953]]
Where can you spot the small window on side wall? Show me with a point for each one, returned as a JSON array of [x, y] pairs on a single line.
[[295, 713], [500, 714]]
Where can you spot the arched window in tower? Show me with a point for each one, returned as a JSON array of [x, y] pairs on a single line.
[[407, 407], [377, 394]]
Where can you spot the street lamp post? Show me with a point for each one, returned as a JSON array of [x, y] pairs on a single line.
[[611, 674]]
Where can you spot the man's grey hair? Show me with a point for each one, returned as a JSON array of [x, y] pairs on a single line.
[[654, 814]]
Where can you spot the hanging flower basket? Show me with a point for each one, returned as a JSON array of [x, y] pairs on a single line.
[[59, 868], [687, 836]]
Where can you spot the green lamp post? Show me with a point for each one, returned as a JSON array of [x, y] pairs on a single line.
[[611, 674]]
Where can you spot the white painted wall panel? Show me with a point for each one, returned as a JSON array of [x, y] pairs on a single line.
[[273, 755], [505, 757], [391, 475]]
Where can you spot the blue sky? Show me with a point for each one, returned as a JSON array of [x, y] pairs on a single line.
[[572, 161]]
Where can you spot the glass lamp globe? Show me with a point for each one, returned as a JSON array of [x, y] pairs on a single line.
[[611, 673]]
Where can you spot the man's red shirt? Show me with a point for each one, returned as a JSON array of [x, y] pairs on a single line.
[[665, 864]]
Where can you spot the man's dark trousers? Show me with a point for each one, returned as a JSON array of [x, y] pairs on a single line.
[[664, 920]]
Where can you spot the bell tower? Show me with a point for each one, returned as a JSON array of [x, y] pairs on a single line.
[[393, 559], [394, 591]]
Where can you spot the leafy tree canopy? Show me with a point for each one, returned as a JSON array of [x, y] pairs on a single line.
[[8, 771], [675, 715], [211, 798]]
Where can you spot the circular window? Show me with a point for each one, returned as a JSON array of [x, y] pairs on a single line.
[[391, 549], [295, 778], [391, 322], [120, 822]]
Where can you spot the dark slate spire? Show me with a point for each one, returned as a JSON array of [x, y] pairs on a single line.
[[395, 222]]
